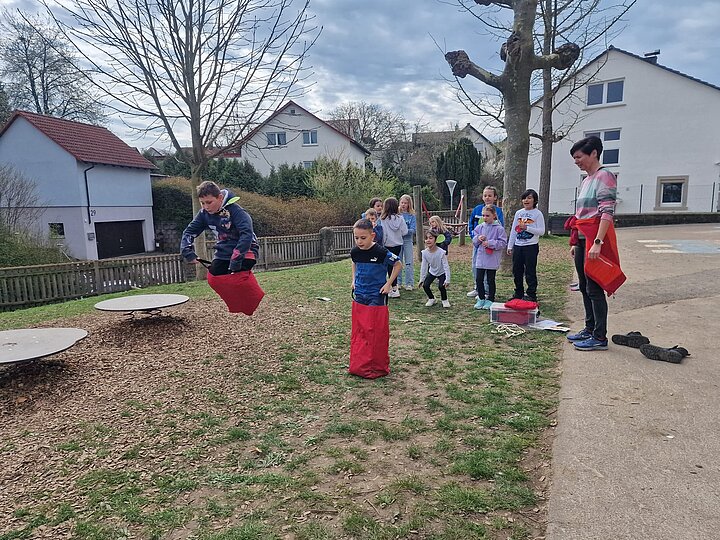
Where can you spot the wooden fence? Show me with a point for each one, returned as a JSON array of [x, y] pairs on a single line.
[[25, 286]]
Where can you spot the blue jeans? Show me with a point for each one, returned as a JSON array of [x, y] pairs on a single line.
[[407, 274]]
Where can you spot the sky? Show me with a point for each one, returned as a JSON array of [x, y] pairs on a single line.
[[390, 52]]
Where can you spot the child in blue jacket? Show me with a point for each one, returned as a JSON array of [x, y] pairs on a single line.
[[236, 247]]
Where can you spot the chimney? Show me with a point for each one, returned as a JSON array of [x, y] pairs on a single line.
[[652, 56]]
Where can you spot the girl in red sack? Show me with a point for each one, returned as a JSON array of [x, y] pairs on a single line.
[[593, 224], [236, 247], [370, 340]]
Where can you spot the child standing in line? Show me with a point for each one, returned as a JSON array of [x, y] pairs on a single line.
[[527, 228], [434, 266], [443, 233], [371, 264], [394, 228], [407, 276], [490, 239], [372, 215], [490, 196]]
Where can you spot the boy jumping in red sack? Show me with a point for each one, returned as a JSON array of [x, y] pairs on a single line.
[[370, 340], [236, 247]]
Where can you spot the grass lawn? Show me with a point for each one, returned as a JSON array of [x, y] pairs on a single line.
[[200, 424]]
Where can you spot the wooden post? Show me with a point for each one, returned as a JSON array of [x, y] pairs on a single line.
[[419, 231], [327, 244], [463, 214]]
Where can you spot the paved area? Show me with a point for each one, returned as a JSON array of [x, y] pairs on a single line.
[[637, 448]]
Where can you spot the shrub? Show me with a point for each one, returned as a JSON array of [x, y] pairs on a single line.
[[172, 201], [23, 249], [349, 187]]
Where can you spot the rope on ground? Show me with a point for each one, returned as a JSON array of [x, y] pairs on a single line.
[[509, 330], [408, 320]]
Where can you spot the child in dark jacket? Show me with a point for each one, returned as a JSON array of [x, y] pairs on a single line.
[[490, 239], [374, 218], [442, 231], [236, 247]]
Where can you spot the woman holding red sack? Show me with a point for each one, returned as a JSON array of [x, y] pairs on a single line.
[[594, 224]]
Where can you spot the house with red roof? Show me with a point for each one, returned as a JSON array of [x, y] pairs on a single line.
[[93, 189], [293, 135]]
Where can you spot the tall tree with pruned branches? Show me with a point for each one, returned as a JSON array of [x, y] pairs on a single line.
[[521, 60]]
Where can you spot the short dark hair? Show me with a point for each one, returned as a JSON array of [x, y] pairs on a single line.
[[208, 189], [432, 233], [530, 193], [375, 200], [363, 224], [587, 145]]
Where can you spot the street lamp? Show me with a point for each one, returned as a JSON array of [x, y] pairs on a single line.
[[451, 186]]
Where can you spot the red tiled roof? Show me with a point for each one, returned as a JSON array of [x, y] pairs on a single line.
[[87, 143]]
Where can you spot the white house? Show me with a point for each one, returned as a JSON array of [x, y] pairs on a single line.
[[660, 130], [481, 143], [94, 190], [294, 136]]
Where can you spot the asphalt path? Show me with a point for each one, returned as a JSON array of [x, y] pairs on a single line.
[[637, 447]]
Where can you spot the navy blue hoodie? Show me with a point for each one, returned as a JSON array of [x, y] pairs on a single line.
[[234, 236]]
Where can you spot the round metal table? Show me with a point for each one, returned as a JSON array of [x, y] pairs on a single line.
[[31, 344], [147, 303]]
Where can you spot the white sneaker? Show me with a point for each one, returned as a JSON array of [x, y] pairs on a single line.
[[472, 294], [446, 303], [394, 294], [431, 302], [409, 287]]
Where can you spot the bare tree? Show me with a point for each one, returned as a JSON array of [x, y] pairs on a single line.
[[514, 84], [40, 71], [20, 205], [589, 23], [370, 124], [204, 71]]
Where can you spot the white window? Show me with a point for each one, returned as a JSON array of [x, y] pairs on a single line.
[[309, 137], [611, 145], [671, 193], [308, 164], [276, 139], [57, 230], [605, 93]]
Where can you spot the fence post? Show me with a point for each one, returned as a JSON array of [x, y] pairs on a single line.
[[419, 231], [463, 214], [99, 285], [641, 195], [327, 244]]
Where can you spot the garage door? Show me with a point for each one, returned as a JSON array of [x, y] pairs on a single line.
[[118, 238]]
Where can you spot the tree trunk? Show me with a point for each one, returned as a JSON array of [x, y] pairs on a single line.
[[547, 110]]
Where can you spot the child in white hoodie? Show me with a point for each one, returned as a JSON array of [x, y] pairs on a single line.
[[394, 228]]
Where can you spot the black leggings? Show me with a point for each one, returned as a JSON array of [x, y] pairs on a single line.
[[594, 300], [395, 250], [480, 285], [220, 267], [441, 285]]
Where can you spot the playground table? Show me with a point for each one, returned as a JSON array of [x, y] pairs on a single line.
[[31, 344], [150, 304]]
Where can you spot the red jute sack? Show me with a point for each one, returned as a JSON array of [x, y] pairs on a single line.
[[370, 341], [240, 291]]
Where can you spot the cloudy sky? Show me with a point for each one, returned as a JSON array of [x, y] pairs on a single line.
[[390, 52]]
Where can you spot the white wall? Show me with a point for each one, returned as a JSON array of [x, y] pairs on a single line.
[[330, 143], [670, 126]]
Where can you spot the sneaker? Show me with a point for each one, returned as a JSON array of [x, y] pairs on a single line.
[[574, 286], [472, 294], [529, 298], [446, 303], [394, 294], [582, 335], [430, 302], [409, 287], [514, 297], [591, 344], [480, 304], [673, 355], [488, 304], [631, 339]]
